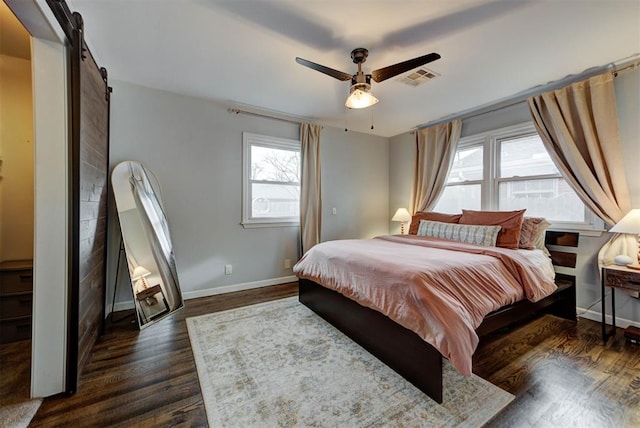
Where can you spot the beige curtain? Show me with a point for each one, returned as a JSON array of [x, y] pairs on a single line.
[[310, 188], [436, 146], [579, 127]]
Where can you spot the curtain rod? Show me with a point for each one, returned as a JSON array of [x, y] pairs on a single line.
[[614, 67], [268, 116], [631, 66]]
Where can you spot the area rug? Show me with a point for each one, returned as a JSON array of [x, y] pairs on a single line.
[[280, 364], [18, 415]]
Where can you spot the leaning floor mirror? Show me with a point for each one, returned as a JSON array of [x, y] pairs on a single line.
[[146, 243]]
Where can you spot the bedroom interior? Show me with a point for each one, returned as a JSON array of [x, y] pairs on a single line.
[[367, 174]]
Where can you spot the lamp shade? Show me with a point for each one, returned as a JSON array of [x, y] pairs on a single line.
[[140, 272], [630, 223], [360, 96], [401, 215]]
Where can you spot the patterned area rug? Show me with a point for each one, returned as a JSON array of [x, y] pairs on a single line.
[[279, 364], [18, 415]]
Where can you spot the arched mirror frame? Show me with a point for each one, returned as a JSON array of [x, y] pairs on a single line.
[[146, 242]]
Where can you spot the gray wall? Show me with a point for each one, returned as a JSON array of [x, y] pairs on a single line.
[[194, 146], [401, 168], [627, 85], [355, 181]]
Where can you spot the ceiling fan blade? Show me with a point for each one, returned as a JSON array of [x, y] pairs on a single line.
[[322, 69], [393, 70]]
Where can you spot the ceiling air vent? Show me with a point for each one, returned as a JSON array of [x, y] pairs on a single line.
[[418, 77]]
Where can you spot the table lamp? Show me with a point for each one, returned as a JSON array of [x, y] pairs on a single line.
[[139, 273], [403, 216], [630, 224]]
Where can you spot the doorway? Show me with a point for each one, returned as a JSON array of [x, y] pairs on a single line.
[[16, 209]]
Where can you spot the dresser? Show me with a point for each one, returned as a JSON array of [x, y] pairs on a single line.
[[16, 300], [620, 277]]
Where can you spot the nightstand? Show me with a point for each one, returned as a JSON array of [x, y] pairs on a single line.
[[615, 276]]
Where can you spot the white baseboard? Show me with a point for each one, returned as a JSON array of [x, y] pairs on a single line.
[[121, 306], [238, 287], [597, 316]]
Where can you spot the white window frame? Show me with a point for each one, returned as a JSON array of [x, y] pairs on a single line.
[[490, 141], [249, 140]]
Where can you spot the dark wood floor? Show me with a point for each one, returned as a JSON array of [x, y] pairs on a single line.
[[15, 372], [146, 378], [562, 375], [559, 371]]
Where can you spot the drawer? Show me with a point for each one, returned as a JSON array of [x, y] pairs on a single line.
[[622, 279], [15, 330], [16, 305], [14, 281]]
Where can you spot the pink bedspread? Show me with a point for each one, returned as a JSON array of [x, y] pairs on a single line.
[[439, 289]]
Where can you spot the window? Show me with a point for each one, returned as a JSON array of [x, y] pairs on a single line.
[[271, 186], [509, 169]]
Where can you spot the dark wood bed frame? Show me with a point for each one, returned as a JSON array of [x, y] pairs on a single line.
[[404, 351]]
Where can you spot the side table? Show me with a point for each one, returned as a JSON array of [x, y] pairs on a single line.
[[615, 276]]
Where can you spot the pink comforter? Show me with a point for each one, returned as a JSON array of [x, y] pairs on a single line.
[[439, 289]]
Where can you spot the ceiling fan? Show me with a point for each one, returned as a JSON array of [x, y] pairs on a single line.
[[360, 95]]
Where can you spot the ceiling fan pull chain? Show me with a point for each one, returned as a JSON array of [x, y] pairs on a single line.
[[372, 118], [345, 119]]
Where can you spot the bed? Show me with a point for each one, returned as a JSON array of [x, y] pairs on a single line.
[[389, 330]]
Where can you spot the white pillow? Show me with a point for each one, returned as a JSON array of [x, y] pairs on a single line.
[[467, 233]]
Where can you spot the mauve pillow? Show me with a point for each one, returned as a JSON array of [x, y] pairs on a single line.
[[539, 241], [511, 222], [431, 216], [531, 228]]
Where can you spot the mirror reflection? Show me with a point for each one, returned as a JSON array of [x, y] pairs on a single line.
[[146, 242]]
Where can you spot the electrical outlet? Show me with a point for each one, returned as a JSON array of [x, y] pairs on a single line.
[[287, 263], [228, 269], [334, 211]]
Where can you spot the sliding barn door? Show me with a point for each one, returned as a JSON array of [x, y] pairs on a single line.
[[90, 172], [88, 189]]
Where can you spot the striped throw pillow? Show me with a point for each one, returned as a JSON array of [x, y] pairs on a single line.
[[466, 233], [532, 233]]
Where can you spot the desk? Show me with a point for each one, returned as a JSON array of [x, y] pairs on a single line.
[[615, 276]]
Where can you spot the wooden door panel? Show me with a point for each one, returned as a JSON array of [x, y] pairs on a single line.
[[88, 189]]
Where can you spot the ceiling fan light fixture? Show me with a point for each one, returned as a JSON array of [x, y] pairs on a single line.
[[360, 96]]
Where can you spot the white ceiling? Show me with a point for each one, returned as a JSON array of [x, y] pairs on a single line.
[[243, 51]]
